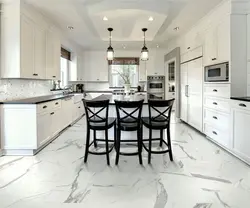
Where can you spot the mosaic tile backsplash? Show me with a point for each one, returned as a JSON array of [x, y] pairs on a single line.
[[13, 89]]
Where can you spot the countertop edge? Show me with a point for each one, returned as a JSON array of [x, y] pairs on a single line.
[[16, 102], [240, 99]]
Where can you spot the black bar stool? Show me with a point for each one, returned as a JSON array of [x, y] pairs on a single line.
[[98, 120], [159, 119], [129, 119]]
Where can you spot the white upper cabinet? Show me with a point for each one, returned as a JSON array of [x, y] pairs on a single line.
[[53, 48], [40, 53], [95, 67], [217, 43], [210, 46], [29, 49], [248, 38], [223, 40]]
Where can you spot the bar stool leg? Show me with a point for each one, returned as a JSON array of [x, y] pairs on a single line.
[[169, 144], [107, 146], [150, 146], [115, 135], [95, 143], [161, 137], [118, 146], [87, 145], [139, 140]]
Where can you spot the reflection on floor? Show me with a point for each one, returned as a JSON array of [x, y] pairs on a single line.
[[201, 176]]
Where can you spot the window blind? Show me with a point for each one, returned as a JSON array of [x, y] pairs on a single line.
[[65, 54], [125, 61]]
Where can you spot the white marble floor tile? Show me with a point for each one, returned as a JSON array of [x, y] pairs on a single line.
[[201, 176]]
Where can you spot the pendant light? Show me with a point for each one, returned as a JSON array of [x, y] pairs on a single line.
[[144, 51], [110, 50]]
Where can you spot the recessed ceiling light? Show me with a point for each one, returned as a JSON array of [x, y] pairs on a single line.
[[157, 46], [105, 18], [70, 27], [124, 47], [176, 28], [150, 19]]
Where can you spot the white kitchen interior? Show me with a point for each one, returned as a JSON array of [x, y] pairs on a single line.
[[62, 60]]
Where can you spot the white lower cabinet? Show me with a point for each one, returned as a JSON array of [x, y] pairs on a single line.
[[43, 128], [240, 130], [36, 125]]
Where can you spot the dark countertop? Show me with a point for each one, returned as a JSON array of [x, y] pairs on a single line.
[[112, 98], [104, 91], [247, 99], [37, 100]]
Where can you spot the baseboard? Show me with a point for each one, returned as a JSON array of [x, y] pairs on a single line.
[[229, 151], [18, 152]]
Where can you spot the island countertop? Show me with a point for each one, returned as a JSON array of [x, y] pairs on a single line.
[[112, 98]]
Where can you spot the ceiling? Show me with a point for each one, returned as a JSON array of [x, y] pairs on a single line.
[[127, 17]]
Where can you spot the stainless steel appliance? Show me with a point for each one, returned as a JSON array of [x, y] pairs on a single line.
[[156, 87], [217, 73]]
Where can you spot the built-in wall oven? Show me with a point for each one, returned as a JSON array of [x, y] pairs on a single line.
[[217, 73], [156, 87]]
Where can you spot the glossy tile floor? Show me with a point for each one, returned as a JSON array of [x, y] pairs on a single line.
[[201, 176]]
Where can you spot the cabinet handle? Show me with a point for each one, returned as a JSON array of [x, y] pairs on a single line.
[[35, 74], [215, 133], [56, 103], [97, 79], [44, 106], [242, 105], [213, 59], [214, 117], [54, 76], [215, 90], [215, 103], [79, 107], [188, 48], [52, 113]]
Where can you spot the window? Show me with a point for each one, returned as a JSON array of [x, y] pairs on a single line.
[[64, 72], [65, 61], [123, 66]]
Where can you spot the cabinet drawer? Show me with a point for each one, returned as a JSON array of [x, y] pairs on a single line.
[[220, 120], [219, 136], [222, 90], [217, 104], [44, 107], [56, 104], [241, 105]]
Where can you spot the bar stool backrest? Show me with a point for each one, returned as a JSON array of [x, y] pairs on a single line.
[[160, 110], [128, 112], [96, 111]]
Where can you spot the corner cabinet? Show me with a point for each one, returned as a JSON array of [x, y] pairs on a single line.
[[29, 50]]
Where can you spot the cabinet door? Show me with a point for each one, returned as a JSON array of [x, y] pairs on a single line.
[[53, 48], [210, 46], [40, 53], [195, 77], [27, 48], [223, 40], [142, 72], [184, 85], [248, 37], [241, 141], [43, 128]]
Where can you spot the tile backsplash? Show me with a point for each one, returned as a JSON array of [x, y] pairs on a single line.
[[12, 89]]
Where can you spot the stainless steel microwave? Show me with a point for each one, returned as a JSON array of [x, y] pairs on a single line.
[[217, 73]]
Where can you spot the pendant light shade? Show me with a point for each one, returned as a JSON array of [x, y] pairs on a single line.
[[144, 51], [110, 50]]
